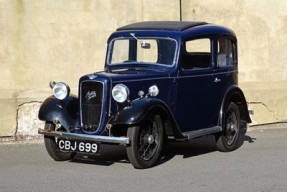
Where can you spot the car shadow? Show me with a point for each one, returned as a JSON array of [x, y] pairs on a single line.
[[111, 154], [196, 147]]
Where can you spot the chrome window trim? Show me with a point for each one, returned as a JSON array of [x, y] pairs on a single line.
[[110, 50]]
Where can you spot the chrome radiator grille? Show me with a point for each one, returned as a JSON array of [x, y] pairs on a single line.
[[91, 105]]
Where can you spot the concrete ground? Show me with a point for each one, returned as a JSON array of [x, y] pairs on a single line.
[[259, 165]]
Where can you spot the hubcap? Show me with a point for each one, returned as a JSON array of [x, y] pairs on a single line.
[[150, 139]]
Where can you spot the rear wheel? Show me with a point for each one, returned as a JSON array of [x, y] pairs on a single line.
[[228, 139], [146, 142], [52, 148]]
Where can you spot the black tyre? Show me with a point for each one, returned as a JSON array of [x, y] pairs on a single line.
[[228, 139], [146, 142], [52, 148]]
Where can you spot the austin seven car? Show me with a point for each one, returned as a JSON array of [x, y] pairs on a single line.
[[162, 81]]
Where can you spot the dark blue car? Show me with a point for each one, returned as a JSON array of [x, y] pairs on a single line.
[[162, 81]]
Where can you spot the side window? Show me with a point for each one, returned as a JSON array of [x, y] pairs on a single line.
[[225, 53], [197, 54]]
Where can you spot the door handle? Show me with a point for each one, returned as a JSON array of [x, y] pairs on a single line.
[[217, 80]]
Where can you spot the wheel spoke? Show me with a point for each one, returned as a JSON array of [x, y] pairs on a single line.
[[148, 140], [228, 139], [231, 128], [144, 153]]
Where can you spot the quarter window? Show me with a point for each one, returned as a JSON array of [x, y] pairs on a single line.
[[197, 54], [225, 56]]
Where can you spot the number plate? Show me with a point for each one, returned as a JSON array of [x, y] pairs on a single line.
[[79, 146]]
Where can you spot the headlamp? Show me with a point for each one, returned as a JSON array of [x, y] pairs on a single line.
[[120, 93], [60, 90]]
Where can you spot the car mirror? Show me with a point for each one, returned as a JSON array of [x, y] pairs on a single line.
[[145, 45]]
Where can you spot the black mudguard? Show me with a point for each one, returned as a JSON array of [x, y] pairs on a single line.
[[65, 111], [235, 94], [136, 111]]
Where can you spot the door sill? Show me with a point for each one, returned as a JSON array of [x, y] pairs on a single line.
[[201, 132]]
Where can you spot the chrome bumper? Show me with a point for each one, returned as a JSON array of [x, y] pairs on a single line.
[[85, 137]]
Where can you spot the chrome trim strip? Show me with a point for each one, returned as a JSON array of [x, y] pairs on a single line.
[[201, 132], [178, 77], [208, 73], [85, 137]]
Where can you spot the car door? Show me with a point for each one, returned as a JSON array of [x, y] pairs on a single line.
[[199, 90]]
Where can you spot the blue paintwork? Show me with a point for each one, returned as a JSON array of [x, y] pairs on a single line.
[[191, 98], [162, 80]]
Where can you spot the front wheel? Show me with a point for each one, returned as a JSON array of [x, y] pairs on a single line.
[[52, 148], [228, 139], [146, 142]]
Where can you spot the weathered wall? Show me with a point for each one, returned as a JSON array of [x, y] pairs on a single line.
[[261, 27], [61, 40], [58, 40]]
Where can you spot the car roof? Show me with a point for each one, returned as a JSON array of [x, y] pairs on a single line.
[[162, 25]]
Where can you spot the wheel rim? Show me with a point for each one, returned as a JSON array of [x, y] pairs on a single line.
[[231, 128], [148, 140]]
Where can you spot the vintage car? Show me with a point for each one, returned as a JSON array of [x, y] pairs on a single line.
[[163, 80]]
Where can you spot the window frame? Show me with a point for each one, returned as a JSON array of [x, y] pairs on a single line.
[[211, 53], [233, 51], [111, 49]]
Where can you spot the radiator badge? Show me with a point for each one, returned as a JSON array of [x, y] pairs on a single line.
[[92, 76], [91, 94]]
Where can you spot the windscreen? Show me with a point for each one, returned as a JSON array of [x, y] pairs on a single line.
[[157, 51]]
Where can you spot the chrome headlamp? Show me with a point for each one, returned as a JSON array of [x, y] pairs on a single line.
[[120, 93], [60, 90]]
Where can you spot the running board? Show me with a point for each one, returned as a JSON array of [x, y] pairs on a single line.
[[201, 132]]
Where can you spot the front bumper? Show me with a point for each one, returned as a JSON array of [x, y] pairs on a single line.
[[85, 137]]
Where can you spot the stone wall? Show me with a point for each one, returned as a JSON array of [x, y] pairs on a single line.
[[62, 40]]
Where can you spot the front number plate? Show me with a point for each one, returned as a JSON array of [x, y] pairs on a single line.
[[78, 146]]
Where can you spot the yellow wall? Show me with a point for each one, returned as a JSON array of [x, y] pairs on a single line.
[[261, 28], [62, 40]]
